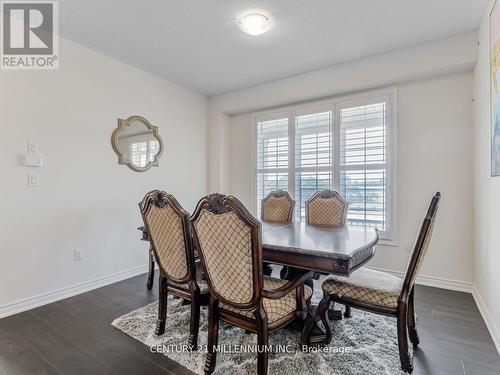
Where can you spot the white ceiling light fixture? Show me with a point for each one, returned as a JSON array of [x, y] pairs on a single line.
[[255, 24]]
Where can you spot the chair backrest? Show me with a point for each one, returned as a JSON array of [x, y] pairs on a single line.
[[167, 224], [421, 246], [326, 208], [228, 239], [277, 207]]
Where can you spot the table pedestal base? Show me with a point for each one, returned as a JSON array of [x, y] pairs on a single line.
[[317, 334]]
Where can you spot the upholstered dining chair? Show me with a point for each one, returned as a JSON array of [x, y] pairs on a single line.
[[277, 207], [169, 230], [326, 208], [228, 239], [382, 293]]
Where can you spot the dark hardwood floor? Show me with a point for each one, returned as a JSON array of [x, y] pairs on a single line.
[[74, 336]]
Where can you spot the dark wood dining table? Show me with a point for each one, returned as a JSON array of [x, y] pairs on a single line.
[[338, 251]]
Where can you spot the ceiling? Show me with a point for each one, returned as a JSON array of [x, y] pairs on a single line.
[[197, 43]]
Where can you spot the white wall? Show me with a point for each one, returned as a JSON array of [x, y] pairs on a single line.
[[440, 57], [486, 193], [217, 158], [454, 54], [86, 200], [435, 118]]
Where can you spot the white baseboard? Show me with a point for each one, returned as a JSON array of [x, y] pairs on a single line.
[[488, 320], [436, 282], [460, 286], [59, 294]]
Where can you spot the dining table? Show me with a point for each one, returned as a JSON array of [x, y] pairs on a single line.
[[298, 246]]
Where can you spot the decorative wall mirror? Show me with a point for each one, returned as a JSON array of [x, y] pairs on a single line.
[[137, 143]]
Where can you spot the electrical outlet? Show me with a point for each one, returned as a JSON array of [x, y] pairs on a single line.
[[77, 255], [405, 246]]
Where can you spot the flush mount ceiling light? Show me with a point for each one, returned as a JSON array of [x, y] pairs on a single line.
[[254, 24]]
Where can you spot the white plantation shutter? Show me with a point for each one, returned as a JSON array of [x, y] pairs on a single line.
[[313, 156], [363, 163], [272, 156], [138, 153], [143, 152], [347, 146]]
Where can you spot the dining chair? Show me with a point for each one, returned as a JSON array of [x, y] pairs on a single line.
[[169, 229], [277, 207], [382, 293], [326, 208], [228, 239]]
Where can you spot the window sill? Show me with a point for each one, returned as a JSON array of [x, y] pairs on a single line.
[[390, 243]]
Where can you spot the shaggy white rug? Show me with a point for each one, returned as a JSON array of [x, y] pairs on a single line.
[[365, 343]]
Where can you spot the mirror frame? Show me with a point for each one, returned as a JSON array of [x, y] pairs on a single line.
[[120, 129]]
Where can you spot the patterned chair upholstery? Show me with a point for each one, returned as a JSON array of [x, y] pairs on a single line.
[[276, 309], [383, 293], [228, 238], [277, 207], [167, 224], [165, 231], [225, 242], [373, 287], [202, 284], [326, 208]]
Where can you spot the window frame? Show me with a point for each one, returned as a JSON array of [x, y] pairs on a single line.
[[303, 111], [390, 237], [256, 118]]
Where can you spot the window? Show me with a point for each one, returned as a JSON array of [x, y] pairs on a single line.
[[143, 152], [347, 145], [272, 156], [363, 163], [313, 156]]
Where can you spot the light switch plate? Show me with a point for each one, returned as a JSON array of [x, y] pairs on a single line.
[[33, 180], [77, 255], [32, 147]]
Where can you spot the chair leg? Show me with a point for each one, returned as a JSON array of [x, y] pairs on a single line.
[[194, 325], [334, 314], [404, 355], [213, 335], [412, 328], [284, 273], [151, 273], [323, 314], [302, 304], [308, 326], [267, 269], [347, 313], [162, 305], [262, 342], [331, 307]]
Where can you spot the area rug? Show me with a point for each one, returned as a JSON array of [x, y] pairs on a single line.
[[364, 341]]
